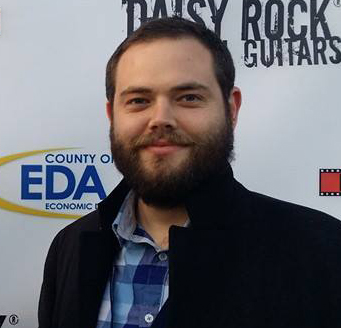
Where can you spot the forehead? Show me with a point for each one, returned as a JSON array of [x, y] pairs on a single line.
[[164, 63]]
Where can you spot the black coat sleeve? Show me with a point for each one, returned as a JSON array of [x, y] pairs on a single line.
[[48, 289]]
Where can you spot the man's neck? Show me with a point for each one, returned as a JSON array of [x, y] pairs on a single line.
[[157, 221]]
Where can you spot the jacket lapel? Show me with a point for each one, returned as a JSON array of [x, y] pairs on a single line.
[[197, 255], [98, 249], [95, 266], [213, 204]]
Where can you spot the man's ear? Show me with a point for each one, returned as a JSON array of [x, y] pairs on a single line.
[[109, 111], [235, 101]]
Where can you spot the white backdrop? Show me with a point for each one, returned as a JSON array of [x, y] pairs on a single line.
[[52, 63]]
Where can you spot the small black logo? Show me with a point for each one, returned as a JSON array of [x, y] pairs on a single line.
[[13, 319], [337, 3], [2, 319]]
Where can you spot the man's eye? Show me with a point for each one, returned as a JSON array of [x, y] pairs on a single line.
[[137, 101], [190, 98]]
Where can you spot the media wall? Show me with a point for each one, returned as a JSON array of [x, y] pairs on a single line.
[[55, 162]]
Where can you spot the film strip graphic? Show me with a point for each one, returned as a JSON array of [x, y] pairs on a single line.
[[330, 182]]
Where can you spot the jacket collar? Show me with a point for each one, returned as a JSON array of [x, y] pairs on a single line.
[[211, 201]]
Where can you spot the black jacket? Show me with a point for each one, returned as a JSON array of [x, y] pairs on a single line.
[[246, 261]]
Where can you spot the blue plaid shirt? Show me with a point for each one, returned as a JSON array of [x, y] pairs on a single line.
[[139, 286]]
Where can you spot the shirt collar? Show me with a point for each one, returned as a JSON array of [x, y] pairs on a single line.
[[126, 227], [124, 224]]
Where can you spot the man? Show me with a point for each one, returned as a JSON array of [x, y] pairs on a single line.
[[179, 242]]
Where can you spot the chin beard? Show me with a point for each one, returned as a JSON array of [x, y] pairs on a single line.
[[164, 186]]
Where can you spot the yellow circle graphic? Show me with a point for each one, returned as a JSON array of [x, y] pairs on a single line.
[[9, 206]]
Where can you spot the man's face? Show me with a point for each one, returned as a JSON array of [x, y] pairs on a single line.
[[169, 126]]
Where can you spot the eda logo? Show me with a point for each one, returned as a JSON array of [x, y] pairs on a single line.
[[330, 182], [55, 183]]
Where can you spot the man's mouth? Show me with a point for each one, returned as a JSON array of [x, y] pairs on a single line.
[[163, 147]]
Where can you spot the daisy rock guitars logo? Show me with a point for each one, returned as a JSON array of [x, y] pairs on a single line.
[[291, 32], [140, 11]]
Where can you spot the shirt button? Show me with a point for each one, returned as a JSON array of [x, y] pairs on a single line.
[[163, 256], [148, 318]]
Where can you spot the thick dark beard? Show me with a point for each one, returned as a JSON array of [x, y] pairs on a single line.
[[208, 157]]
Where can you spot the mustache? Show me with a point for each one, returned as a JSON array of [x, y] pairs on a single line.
[[171, 137]]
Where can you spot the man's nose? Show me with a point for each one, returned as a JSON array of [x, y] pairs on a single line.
[[162, 116]]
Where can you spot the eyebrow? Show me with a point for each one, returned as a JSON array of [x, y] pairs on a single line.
[[133, 89], [181, 87], [190, 86]]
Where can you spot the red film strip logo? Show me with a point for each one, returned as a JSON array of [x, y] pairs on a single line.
[[330, 182]]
